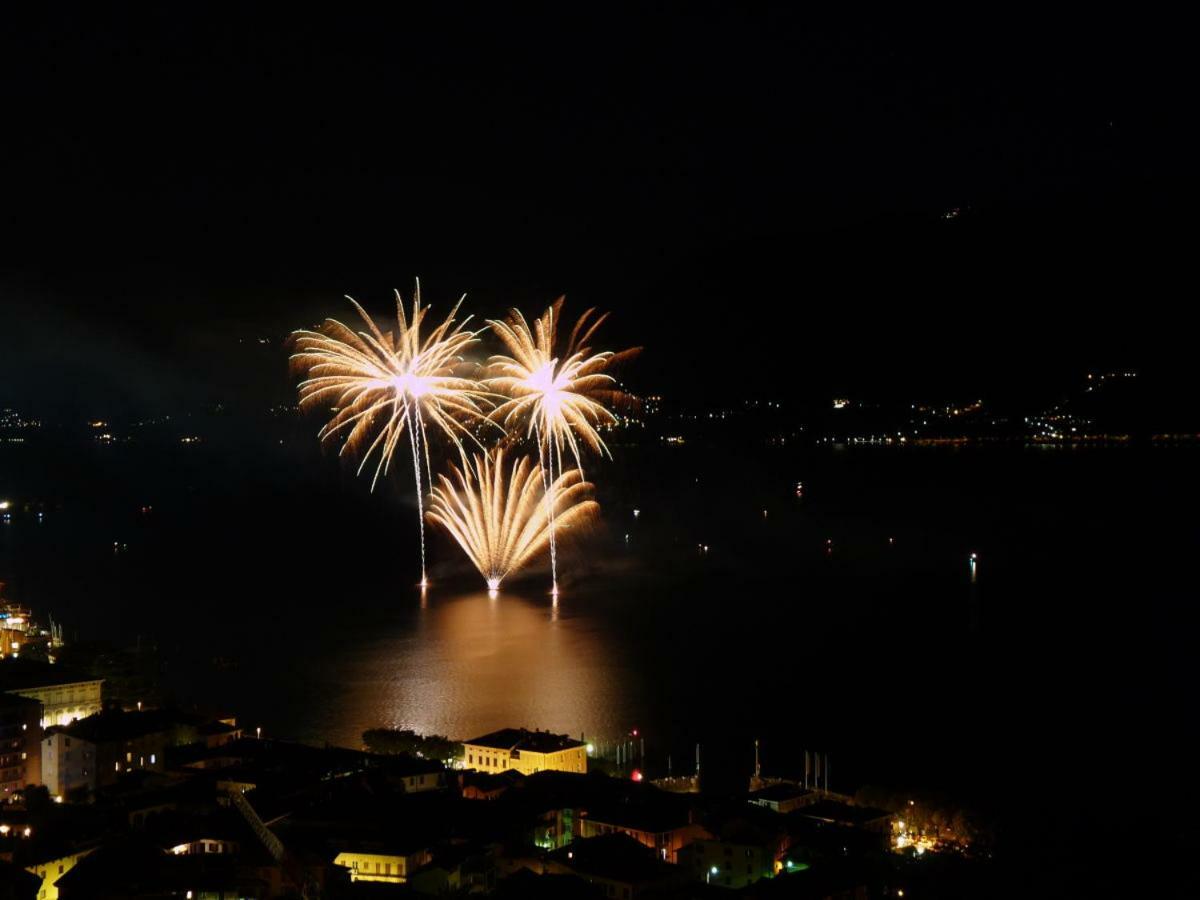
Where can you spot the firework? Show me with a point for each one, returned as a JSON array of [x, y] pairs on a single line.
[[564, 400], [381, 386], [496, 512]]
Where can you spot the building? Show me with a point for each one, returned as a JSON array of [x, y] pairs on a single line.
[[784, 797], [20, 743], [865, 819], [621, 866], [393, 865], [657, 823], [65, 695], [526, 751], [728, 863], [50, 868], [92, 752], [68, 764], [412, 775], [459, 870], [483, 786], [18, 884]]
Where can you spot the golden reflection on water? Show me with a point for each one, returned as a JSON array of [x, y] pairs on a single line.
[[471, 663]]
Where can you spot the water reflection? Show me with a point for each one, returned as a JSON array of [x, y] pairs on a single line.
[[472, 663]]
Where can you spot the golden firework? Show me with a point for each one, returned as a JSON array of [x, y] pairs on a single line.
[[563, 399], [380, 385], [496, 512]]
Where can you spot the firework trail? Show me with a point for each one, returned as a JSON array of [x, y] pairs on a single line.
[[496, 511]]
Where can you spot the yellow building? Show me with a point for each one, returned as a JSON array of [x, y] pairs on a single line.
[[375, 865], [525, 751], [53, 869], [65, 696]]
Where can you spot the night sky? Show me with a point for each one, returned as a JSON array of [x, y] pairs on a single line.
[[739, 183]]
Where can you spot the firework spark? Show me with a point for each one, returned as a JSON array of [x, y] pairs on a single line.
[[496, 512], [382, 385], [563, 399]]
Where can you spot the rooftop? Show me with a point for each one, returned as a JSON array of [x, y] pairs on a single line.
[[779, 792], [648, 813], [17, 702], [115, 725], [523, 739], [27, 674], [841, 813], [614, 856], [526, 885]]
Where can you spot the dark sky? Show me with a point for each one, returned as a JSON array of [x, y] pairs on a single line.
[[739, 183]]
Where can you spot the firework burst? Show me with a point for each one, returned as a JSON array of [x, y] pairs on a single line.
[[496, 511], [564, 399], [383, 385]]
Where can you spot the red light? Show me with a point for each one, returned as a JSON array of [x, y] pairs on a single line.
[[635, 732], [637, 775]]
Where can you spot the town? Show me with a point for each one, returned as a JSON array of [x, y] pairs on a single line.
[[113, 798]]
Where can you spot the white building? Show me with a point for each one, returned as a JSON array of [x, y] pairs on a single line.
[[67, 763]]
